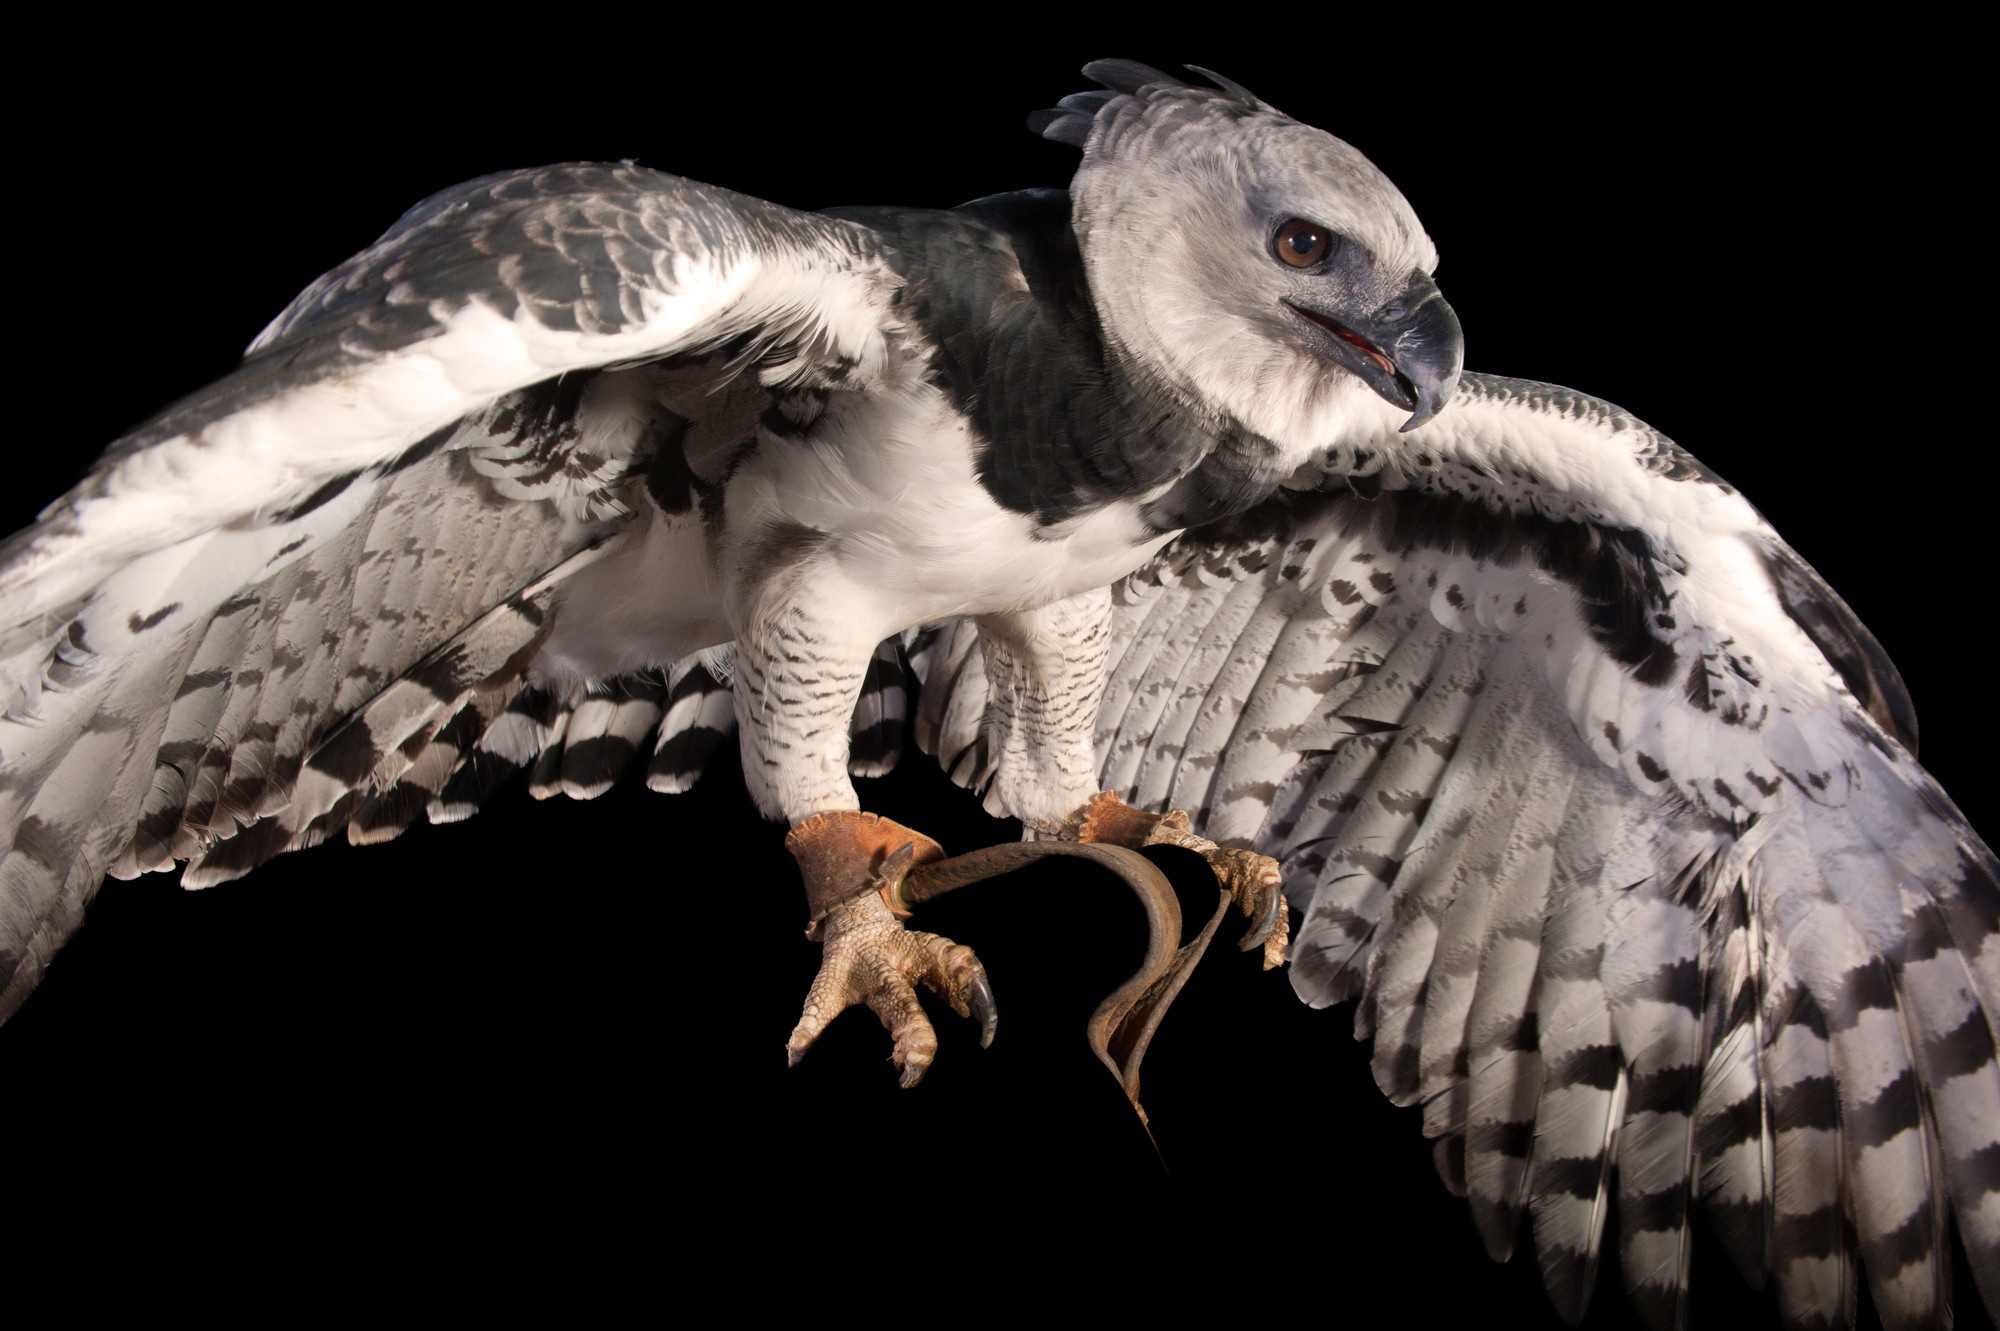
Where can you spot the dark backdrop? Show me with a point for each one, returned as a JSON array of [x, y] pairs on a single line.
[[549, 1039]]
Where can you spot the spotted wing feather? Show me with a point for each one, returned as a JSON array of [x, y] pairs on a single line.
[[1604, 814]]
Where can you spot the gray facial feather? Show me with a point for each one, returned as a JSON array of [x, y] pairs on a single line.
[[1178, 197]]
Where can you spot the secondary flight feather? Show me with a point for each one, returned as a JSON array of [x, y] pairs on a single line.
[[1600, 803]]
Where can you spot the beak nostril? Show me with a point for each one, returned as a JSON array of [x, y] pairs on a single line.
[[1391, 313]]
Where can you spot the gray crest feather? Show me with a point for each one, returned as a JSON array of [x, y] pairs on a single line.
[[1071, 119], [1128, 75]]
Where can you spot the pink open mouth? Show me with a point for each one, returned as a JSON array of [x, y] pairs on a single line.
[[1352, 338]]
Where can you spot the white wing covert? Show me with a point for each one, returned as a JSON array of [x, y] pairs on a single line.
[[297, 601], [1605, 810]]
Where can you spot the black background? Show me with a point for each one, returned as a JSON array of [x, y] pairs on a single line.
[[542, 1049]]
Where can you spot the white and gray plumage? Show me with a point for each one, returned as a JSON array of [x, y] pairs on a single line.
[[1622, 725]]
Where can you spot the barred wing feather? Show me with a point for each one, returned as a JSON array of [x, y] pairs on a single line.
[[1644, 901], [295, 602]]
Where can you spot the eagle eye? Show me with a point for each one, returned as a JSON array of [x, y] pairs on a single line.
[[1301, 244]]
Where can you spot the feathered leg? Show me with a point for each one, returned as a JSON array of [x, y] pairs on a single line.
[[799, 666], [1045, 672]]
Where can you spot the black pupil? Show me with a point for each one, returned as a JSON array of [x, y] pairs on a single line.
[[1304, 241]]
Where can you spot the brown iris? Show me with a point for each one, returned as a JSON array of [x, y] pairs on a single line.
[[1301, 243]]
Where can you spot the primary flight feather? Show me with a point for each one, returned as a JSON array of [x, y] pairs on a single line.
[[1597, 799]]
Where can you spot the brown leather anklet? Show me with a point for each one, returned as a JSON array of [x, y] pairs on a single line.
[[1109, 820], [843, 853]]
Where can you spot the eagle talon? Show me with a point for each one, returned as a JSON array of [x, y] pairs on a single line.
[[979, 1005], [870, 958], [1271, 922], [1256, 885], [1254, 882]]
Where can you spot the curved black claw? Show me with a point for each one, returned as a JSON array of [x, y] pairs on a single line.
[[1263, 921], [979, 998]]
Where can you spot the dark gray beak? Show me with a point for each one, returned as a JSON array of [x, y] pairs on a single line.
[[1410, 351]]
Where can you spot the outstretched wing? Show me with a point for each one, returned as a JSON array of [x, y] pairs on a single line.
[[299, 596], [1606, 811]]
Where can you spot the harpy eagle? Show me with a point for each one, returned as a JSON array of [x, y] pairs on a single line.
[[1517, 545]]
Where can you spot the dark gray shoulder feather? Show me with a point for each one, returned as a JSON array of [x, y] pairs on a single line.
[[997, 285], [1845, 642]]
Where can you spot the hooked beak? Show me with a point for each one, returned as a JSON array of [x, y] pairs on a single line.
[[1410, 351]]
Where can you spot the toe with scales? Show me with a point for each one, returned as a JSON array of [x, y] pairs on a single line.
[[853, 863], [864, 874], [1254, 882]]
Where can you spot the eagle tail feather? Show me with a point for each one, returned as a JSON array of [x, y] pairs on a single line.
[[608, 730], [881, 715], [700, 714]]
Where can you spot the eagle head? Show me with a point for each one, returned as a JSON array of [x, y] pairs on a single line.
[[1256, 268]]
